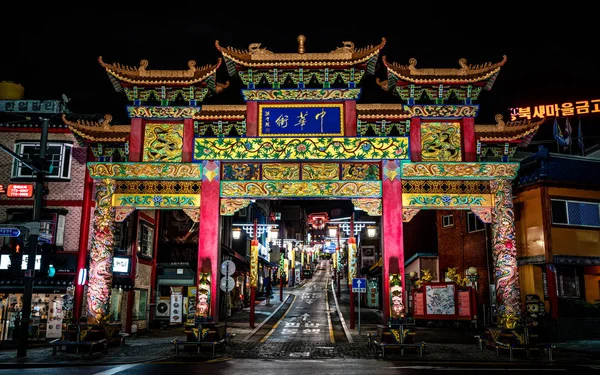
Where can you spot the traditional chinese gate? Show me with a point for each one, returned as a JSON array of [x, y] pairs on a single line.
[[301, 142]]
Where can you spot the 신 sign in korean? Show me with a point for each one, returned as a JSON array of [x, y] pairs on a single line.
[[326, 119]]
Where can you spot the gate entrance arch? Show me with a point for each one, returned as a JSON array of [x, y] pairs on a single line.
[[301, 134]]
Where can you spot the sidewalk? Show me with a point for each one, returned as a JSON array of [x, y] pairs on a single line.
[[148, 345], [458, 344]]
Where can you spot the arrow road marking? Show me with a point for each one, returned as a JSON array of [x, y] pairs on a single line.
[[304, 316]]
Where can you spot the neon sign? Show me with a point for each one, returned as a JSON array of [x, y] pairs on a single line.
[[556, 110]]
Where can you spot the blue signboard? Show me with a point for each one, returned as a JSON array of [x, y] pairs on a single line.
[[9, 232], [329, 248], [359, 285], [326, 119]]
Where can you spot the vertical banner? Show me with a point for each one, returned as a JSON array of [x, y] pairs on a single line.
[[254, 264], [281, 264], [203, 296], [191, 304], [396, 304], [335, 259], [302, 258], [176, 313], [55, 319], [351, 259]]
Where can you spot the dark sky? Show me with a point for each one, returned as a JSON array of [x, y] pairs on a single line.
[[551, 57]]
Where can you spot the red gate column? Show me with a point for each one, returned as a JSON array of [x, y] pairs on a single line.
[[82, 254], [101, 253], [208, 242], [393, 241]]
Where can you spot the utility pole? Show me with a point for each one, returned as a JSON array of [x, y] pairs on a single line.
[[33, 244]]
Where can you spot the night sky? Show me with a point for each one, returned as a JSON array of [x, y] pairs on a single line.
[[52, 51]]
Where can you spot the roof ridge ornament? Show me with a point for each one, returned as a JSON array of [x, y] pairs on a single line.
[[301, 39]]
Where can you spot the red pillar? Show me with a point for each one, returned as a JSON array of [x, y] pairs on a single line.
[[350, 118], [253, 272], [188, 140], [86, 212], [208, 235], [136, 139], [393, 244], [153, 275], [468, 136], [251, 119], [552, 295], [352, 264], [415, 139]]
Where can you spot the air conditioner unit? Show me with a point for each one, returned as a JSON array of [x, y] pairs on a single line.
[[163, 309]]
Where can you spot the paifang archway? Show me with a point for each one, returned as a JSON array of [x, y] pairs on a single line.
[[309, 142]]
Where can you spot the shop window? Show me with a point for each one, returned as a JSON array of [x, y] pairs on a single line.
[[447, 221], [568, 283], [585, 214], [473, 223], [57, 153], [115, 304], [146, 240], [52, 224], [140, 301]]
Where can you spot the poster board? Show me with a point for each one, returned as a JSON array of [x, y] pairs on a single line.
[[444, 301]]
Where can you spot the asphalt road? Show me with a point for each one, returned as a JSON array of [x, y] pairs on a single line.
[[308, 318], [296, 367]]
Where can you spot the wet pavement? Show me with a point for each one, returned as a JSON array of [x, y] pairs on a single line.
[[307, 318], [299, 328]]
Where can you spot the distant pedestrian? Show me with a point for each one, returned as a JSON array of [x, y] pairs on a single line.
[[268, 291]]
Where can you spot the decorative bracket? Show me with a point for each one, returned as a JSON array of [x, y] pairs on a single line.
[[230, 206], [409, 213], [193, 213], [371, 206], [483, 213], [121, 213]]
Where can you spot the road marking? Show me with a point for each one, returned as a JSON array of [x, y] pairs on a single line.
[[266, 320], [117, 369], [219, 360], [279, 321], [331, 336], [348, 335], [473, 368]]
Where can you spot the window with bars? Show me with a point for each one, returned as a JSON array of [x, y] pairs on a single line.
[[568, 283], [578, 213], [447, 221], [57, 153], [146, 240], [473, 223]]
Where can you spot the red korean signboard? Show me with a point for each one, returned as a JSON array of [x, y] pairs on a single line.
[[19, 191]]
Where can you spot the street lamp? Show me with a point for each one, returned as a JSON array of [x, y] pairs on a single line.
[[237, 233], [332, 231], [273, 234], [371, 231]]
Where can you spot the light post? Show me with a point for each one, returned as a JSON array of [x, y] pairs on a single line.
[[333, 232], [253, 230]]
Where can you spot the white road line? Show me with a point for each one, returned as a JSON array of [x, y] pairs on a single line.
[[331, 336], [348, 335], [266, 319], [117, 369]]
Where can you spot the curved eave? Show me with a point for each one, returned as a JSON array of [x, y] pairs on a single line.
[[199, 77], [453, 76], [243, 58], [507, 135], [380, 111], [118, 137]]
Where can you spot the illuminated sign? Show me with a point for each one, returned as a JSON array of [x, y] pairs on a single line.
[[25, 259], [2, 191], [121, 264], [325, 119], [556, 110], [19, 191]]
